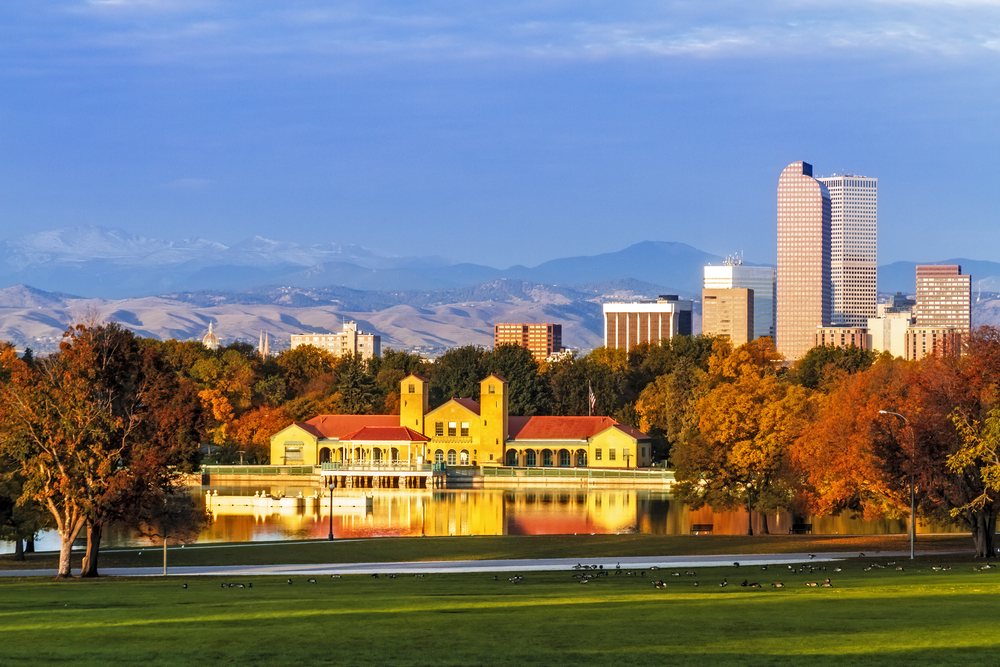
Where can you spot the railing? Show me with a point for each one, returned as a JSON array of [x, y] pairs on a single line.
[[258, 470], [370, 466], [590, 473]]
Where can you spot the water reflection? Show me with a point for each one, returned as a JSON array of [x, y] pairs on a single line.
[[406, 513]]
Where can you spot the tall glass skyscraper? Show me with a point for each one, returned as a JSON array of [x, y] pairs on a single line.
[[853, 248], [733, 275], [803, 276]]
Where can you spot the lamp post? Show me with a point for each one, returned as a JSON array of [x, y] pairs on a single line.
[[330, 537], [913, 504]]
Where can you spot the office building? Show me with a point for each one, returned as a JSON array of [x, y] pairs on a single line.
[[760, 279], [944, 297], [543, 340], [853, 245], [627, 324], [888, 333], [348, 341], [897, 304], [729, 313], [841, 337], [803, 275], [943, 341]]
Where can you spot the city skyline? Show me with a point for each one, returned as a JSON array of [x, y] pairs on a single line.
[[180, 118]]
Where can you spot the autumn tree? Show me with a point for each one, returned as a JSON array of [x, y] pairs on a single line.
[[738, 455]]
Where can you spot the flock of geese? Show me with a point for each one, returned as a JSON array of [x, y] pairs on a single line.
[[591, 572]]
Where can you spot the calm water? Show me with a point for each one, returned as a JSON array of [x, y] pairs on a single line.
[[401, 512]]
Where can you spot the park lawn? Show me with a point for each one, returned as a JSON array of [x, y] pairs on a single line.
[[881, 617], [397, 549]]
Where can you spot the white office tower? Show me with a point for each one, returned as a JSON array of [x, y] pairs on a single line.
[[853, 244], [732, 274]]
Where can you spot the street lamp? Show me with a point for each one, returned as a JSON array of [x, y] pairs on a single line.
[[330, 537], [913, 504]]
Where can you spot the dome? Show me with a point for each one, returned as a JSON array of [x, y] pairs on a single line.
[[211, 341]]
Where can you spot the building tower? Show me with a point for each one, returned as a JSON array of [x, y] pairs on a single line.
[[733, 275], [729, 313], [494, 405], [803, 276], [264, 346], [853, 246], [413, 402], [211, 341], [944, 297]]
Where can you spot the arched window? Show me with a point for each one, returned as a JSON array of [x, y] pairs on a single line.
[[529, 459], [395, 454], [452, 457], [376, 454], [324, 455], [546, 457], [581, 457], [512, 457], [464, 457], [438, 456], [564, 458]]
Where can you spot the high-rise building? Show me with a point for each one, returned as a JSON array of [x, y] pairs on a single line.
[[627, 324], [348, 341], [944, 297], [729, 313], [543, 340], [803, 276], [853, 246], [760, 279]]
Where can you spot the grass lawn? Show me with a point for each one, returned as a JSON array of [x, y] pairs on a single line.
[[394, 549], [880, 617]]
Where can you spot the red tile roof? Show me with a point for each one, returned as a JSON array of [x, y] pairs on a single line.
[[565, 428], [386, 434], [340, 426]]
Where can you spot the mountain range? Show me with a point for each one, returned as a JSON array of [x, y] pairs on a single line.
[[173, 289]]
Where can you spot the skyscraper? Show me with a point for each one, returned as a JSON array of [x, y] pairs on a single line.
[[803, 277], [729, 313], [627, 324], [853, 241], [733, 275], [944, 297]]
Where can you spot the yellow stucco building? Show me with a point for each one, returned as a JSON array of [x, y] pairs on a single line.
[[462, 432]]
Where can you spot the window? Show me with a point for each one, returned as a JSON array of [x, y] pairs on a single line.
[[492, 389], [413, 388], [452, 429], [293, 453], [439, 456], [439, 429], [529, 458], [464, 457], [452, 457], [597, 454], [564, 458], [546, 458], [465, 429], [611, 453], [643, 450]]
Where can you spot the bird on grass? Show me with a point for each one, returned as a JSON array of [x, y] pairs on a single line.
[[375, 575], [745, 583], [690, 573], [240, 586], [659, 584], [811, 556], [827, 584], [289, 582], [675, 574], [724, 583], [184, 585], [836, 569], [311, 580], [419, 576], [583, 581], [223, 585], [899, 568], [335, 576], [754, 585], [812, 584], [736, 564], [763, 567], [250, 584], [778, 584]]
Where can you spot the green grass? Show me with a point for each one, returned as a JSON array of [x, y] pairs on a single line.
[[882, 617], [394, 549]]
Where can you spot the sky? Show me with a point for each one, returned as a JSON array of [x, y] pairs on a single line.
[[497, 133]]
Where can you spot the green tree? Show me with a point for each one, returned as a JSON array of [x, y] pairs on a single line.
[[355, 386], [822, 365], [526, 389], [456, 374]]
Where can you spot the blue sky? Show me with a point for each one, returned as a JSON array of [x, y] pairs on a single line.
[[497, 132]]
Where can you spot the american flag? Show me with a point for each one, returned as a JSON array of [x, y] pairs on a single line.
[[593, 399]]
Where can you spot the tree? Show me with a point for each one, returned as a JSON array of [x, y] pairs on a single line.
[[254, 429], [667, 406], [456, 374], [355, 387], [824, 364], [303, 366], [738, 455]]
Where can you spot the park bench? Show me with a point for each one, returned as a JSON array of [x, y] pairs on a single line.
[[800, 529], [698, 528]]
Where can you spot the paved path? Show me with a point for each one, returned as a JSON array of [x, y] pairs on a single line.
[[527, 565]]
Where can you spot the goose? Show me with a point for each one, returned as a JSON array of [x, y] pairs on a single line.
[[936, 568], [811, 556], [583, 581], [654, 567], [250, 585], [223, 585], [899, 568], [690, 573], [745, 583], [420, 576], [240, 586], [827, 584], [335, 576], [660, 584], [375, 575], [778, 584], [812, 584], [675, 574], [755, 585], [836, 569], [724, 583], [736, 564], [311, 580], [289, 582], [696, 583], [184, 585], [763, 567]]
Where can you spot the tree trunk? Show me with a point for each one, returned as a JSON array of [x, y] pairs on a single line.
[[19, 549], [29, 545], [763, 524], [89, 568], [983, 530], [749, 517], [66, 538]]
